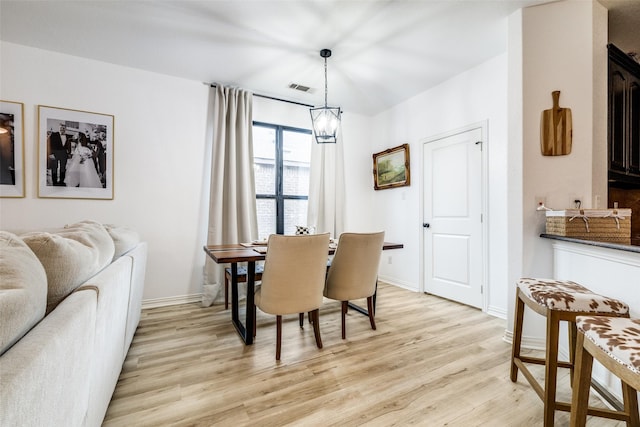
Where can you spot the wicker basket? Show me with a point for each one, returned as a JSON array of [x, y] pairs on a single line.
[[603, 225]]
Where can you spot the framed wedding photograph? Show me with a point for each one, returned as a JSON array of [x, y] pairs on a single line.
[[391, 168], [11, 149], [75, 154]]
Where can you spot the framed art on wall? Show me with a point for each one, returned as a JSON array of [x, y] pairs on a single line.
[[75, 154], [11, 149], [391, 168]]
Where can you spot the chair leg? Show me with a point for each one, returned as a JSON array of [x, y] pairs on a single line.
[[551, 368], [345, 307], [301, 319], [371, 313], [517, 336], [581, 385], [255, 323], [315, 315], [278, 335]]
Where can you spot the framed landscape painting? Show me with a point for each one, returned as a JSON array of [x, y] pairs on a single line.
[[391, 168], [11, 149], [75, 154]]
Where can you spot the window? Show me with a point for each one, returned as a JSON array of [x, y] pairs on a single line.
[[281, 161]]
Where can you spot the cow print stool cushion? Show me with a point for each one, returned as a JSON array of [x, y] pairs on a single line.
[[564, 295], [617, 336]]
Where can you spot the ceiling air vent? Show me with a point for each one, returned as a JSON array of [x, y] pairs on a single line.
[[299, 87]]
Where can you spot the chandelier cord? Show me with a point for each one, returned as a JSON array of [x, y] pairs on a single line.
[[325, 82]]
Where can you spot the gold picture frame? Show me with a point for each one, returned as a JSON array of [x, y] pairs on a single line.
[[391, 168], [75, 154], [12, 149]]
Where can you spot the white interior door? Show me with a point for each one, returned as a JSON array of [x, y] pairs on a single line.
[[453, 217]]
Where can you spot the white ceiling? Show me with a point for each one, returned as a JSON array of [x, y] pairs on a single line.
[[383, 51]]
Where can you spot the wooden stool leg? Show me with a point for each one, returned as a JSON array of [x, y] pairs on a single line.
[[581, 385], [573, 333], [517, 335], [551, 367], [630, 396]]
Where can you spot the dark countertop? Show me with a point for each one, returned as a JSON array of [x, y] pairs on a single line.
[[618, 246]]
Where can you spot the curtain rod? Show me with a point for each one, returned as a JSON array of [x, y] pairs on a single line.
[[271, 97]]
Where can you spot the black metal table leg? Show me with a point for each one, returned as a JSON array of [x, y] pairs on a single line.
[[245, 331]]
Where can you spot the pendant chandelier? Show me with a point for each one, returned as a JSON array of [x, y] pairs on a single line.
[[325, 120]]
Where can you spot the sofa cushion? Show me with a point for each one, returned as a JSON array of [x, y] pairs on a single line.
[[23, 290], [71, 256], [124, 239], [97, 234]]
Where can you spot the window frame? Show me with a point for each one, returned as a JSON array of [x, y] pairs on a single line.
[[278, 195]]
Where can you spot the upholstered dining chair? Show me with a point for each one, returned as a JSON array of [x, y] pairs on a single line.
[[293, 279], [354, 272]]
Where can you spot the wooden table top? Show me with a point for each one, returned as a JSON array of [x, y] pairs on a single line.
[[234, 252]]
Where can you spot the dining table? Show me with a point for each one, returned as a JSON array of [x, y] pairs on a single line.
[[251, 253]]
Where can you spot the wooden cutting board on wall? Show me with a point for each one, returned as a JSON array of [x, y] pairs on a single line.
[[556, 129]]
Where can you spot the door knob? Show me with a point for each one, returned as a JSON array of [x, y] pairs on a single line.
[[426, 225]]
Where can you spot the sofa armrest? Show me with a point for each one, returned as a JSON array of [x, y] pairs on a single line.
[[50, 364], [139, 258]]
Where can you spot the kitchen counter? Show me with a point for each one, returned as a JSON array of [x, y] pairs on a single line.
[[606, 268], [618, 246], [610, 269]]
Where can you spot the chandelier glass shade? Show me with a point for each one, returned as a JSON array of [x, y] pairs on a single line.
[[325, 120]]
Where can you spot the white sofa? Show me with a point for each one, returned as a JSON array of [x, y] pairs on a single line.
[[70, 302]]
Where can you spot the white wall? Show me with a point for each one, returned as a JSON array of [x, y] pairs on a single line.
[[563, 47], [159, 162], [477, 95], [161, 158]]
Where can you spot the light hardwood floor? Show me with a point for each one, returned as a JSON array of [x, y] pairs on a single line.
[[431, 362]]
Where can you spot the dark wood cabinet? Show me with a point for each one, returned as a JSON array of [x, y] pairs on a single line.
[[624, 119]]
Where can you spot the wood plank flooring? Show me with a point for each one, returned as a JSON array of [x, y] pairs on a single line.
[[431, 362]]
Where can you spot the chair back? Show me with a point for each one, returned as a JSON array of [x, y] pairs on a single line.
[[294, 273], [354, 269]]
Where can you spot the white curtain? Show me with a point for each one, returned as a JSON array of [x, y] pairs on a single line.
[[326, 188], [232, 203]]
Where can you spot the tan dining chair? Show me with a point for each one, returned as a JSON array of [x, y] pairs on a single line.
[[293, 278], [354, 272]]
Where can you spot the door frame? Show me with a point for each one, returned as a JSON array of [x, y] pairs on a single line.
[[484, 197]]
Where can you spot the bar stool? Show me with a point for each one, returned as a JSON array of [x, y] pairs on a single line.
[[557, 300], [615, 343]]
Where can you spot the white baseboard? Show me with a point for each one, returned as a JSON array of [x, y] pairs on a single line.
[[163, 302], [497, 312], [404, 285], [187, 299], [532, 343]]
